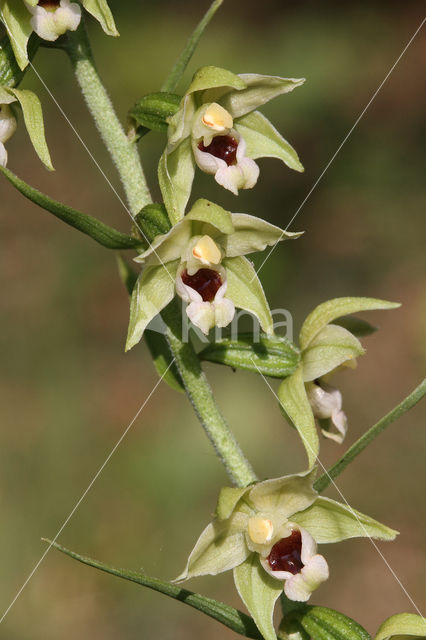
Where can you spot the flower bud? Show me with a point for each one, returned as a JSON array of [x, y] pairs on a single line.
[[7, 123]]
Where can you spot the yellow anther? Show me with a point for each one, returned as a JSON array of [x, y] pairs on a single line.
[[260, 530], [217, 118], [207, 251]]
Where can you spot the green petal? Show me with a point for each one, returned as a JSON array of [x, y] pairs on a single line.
[[259, 592], [228, 500], [251, 234], [101, 11], [330, 521], [259, 90], [245, 290], [295, 403], [264, 141], [154, 289], [286, 495], [220, 547], [208, 212], [330, 348], [175, 175], [332, 309], [33, 117], [169, 246], [402, 626], [213, 77], [16, 19]]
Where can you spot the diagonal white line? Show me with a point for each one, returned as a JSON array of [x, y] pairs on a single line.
[[308, 446], [345, 139], [92, 482]]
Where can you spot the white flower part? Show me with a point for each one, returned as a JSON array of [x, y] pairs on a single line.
[[326, 402], [260, 530], [206, 315], [3, 155], [7, 123], [52, 19], [241, 175], [299, 586], [209, 121]]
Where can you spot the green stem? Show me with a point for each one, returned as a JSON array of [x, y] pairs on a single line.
[[123, 153], [325, 480], [200, 394]]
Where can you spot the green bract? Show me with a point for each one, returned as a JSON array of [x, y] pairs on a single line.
[[249, 523], [402, 626], [219, 103], [214, 242], [325, 347]]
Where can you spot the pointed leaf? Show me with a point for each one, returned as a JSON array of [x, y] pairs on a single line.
[[252, 234], [323, 623], [154, 289], [98, 231], [286, 495], [16, 19], [295, 403], [175, 175], [228, 500], [402, 626], [220, 547], [330, 348], [163, 360], [213, 77], [211, 213], [259, 90], [271, 355], [223, 613], [246, 292], [264, 141], [259, 592], [101, 11], [33, 117], [332, 309], [330, 521]]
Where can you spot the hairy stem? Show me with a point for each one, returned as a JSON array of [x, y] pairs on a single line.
[[200, 394], [325, 480], [123, 153]]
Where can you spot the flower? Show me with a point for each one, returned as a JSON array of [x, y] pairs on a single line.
[[326, 404], [202, 260], [7, 129], [52, 18], [218, 128], [268, 534]]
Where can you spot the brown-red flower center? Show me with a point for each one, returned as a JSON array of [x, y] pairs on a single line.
[[223, 147], [49, 4], [286, 554], [206, 282]]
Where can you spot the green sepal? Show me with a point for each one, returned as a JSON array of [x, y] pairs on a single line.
[[97, 230], [246, 292], [153, 110], [163, 359], [330, 348], [175, 175], [402, 626], [212, 77], [228, 499], [10, 73], [295, 404], [16, 18], [286, 495], [332, 309], [259, 591], [152, 221], [323, 623], [268, 354], [330, 521], [264, 141], [357, 326], [154, 289], [101, 11], [210, 213], [223, 613]]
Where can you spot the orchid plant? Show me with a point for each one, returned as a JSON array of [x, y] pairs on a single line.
[[267, 532]]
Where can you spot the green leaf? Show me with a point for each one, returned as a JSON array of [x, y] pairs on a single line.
[[259, 592], [211, 213], [258, 90], [271, 355], [322, 623], [286, 495], [16, 19], [251, 234], [213, 77], [295, 403], [33, 117], [330, 348], [175, 175], [332, 309], [98, 231], [10, 73], [264, 141], [223, 613], [101, 11], [220, 547], [186, 55], [330, 521], [163, 360], [246, 292], [358, 326], [154, 289], [152, 221], [402, 626], [229, 497], [153, 110]]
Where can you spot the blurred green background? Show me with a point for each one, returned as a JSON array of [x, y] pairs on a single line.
[[68, 391]]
